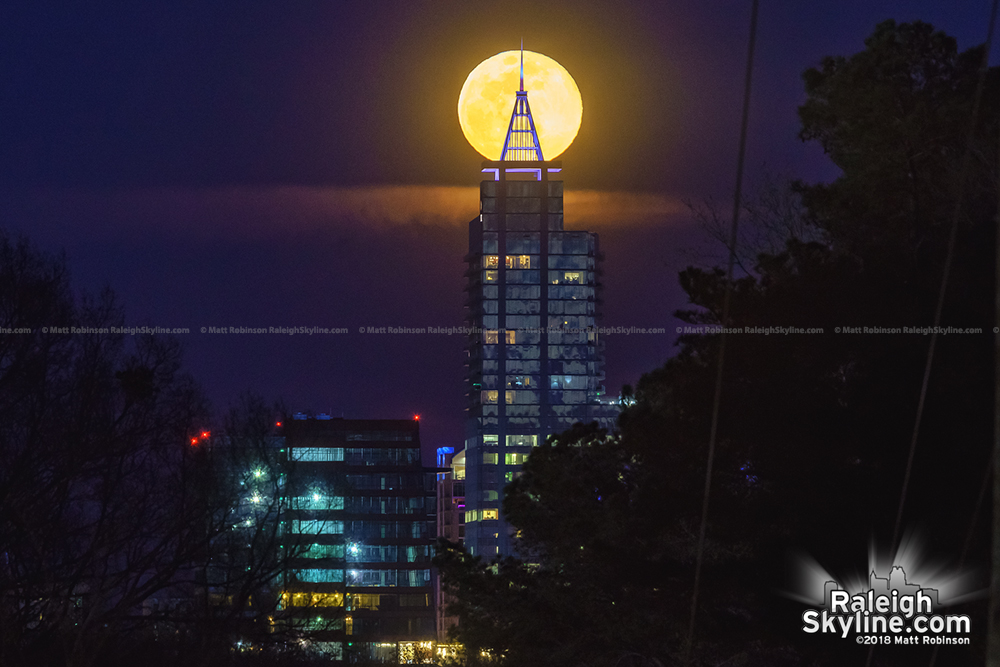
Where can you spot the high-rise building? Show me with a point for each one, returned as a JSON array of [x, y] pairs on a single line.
[[451, 521], [361, 518], [535, 358], [451, 494]]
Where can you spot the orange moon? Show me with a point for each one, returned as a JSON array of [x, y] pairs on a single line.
[[487, 100]]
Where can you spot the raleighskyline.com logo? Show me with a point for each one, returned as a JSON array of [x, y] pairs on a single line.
[[891, 611]]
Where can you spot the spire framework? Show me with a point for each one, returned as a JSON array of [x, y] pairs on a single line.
[[521, 143]]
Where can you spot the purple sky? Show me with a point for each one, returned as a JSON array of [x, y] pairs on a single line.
[[272, 164]]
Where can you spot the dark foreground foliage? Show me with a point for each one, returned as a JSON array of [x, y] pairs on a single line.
[[126, 536]]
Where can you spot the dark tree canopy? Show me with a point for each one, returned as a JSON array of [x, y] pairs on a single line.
[[126, 534]]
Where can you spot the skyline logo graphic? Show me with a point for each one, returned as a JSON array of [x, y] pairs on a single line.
[[890, 607]]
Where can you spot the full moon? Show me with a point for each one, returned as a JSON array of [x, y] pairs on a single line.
[[487, 100]]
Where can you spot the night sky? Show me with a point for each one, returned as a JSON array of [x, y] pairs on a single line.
[[301, 164]]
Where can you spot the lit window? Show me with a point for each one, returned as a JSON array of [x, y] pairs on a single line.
[[323, 551], [490, 276], [522, 440], [316, 454], [317, 527], [490, 396], [365, 601], [491, 261], [510, 336], [491, 514], [317, 501], [518, 261], [573, 277], [320, 576], [508, 476], [491, 337], [328, 599], [515, 458], [491, 437], [491, 457], [509, 397]]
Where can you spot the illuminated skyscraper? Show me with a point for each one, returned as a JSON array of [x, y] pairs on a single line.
[[535, 358]]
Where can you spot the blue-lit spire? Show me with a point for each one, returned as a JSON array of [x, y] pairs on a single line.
[[522, 65], [521, 143]]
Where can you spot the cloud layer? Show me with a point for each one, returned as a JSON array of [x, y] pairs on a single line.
[[281, 210]]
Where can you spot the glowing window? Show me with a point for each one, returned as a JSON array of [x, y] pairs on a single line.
[[328, 599], [573, 277], [320, 576], [508, 477], [317, 527], [490, 276], [491, 437], [324, 551], [331, 650], [511, 338], [515, 458], [491, 457], [491, 514], [491, 337], [518, 261], [491, 261], [522, 440], [317, 501], [364, 601], [490, 396], [509, 397], [316, 454]]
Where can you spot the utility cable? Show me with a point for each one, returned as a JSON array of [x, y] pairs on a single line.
[[717, 399], [946, 274]]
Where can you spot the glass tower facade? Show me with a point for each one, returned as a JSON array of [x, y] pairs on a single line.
[[534, 355], [361, 519]]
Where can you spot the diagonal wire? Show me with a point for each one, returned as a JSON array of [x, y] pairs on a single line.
[[946, 274], [717, 399], [967, 545], [949, 258], [992, 643]]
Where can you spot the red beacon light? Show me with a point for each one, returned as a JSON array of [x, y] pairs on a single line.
[[194, 441], [277, 424], [416, 418], [205, 434]]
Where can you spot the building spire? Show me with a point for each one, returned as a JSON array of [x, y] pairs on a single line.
[[522, 65], [521, 143]]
